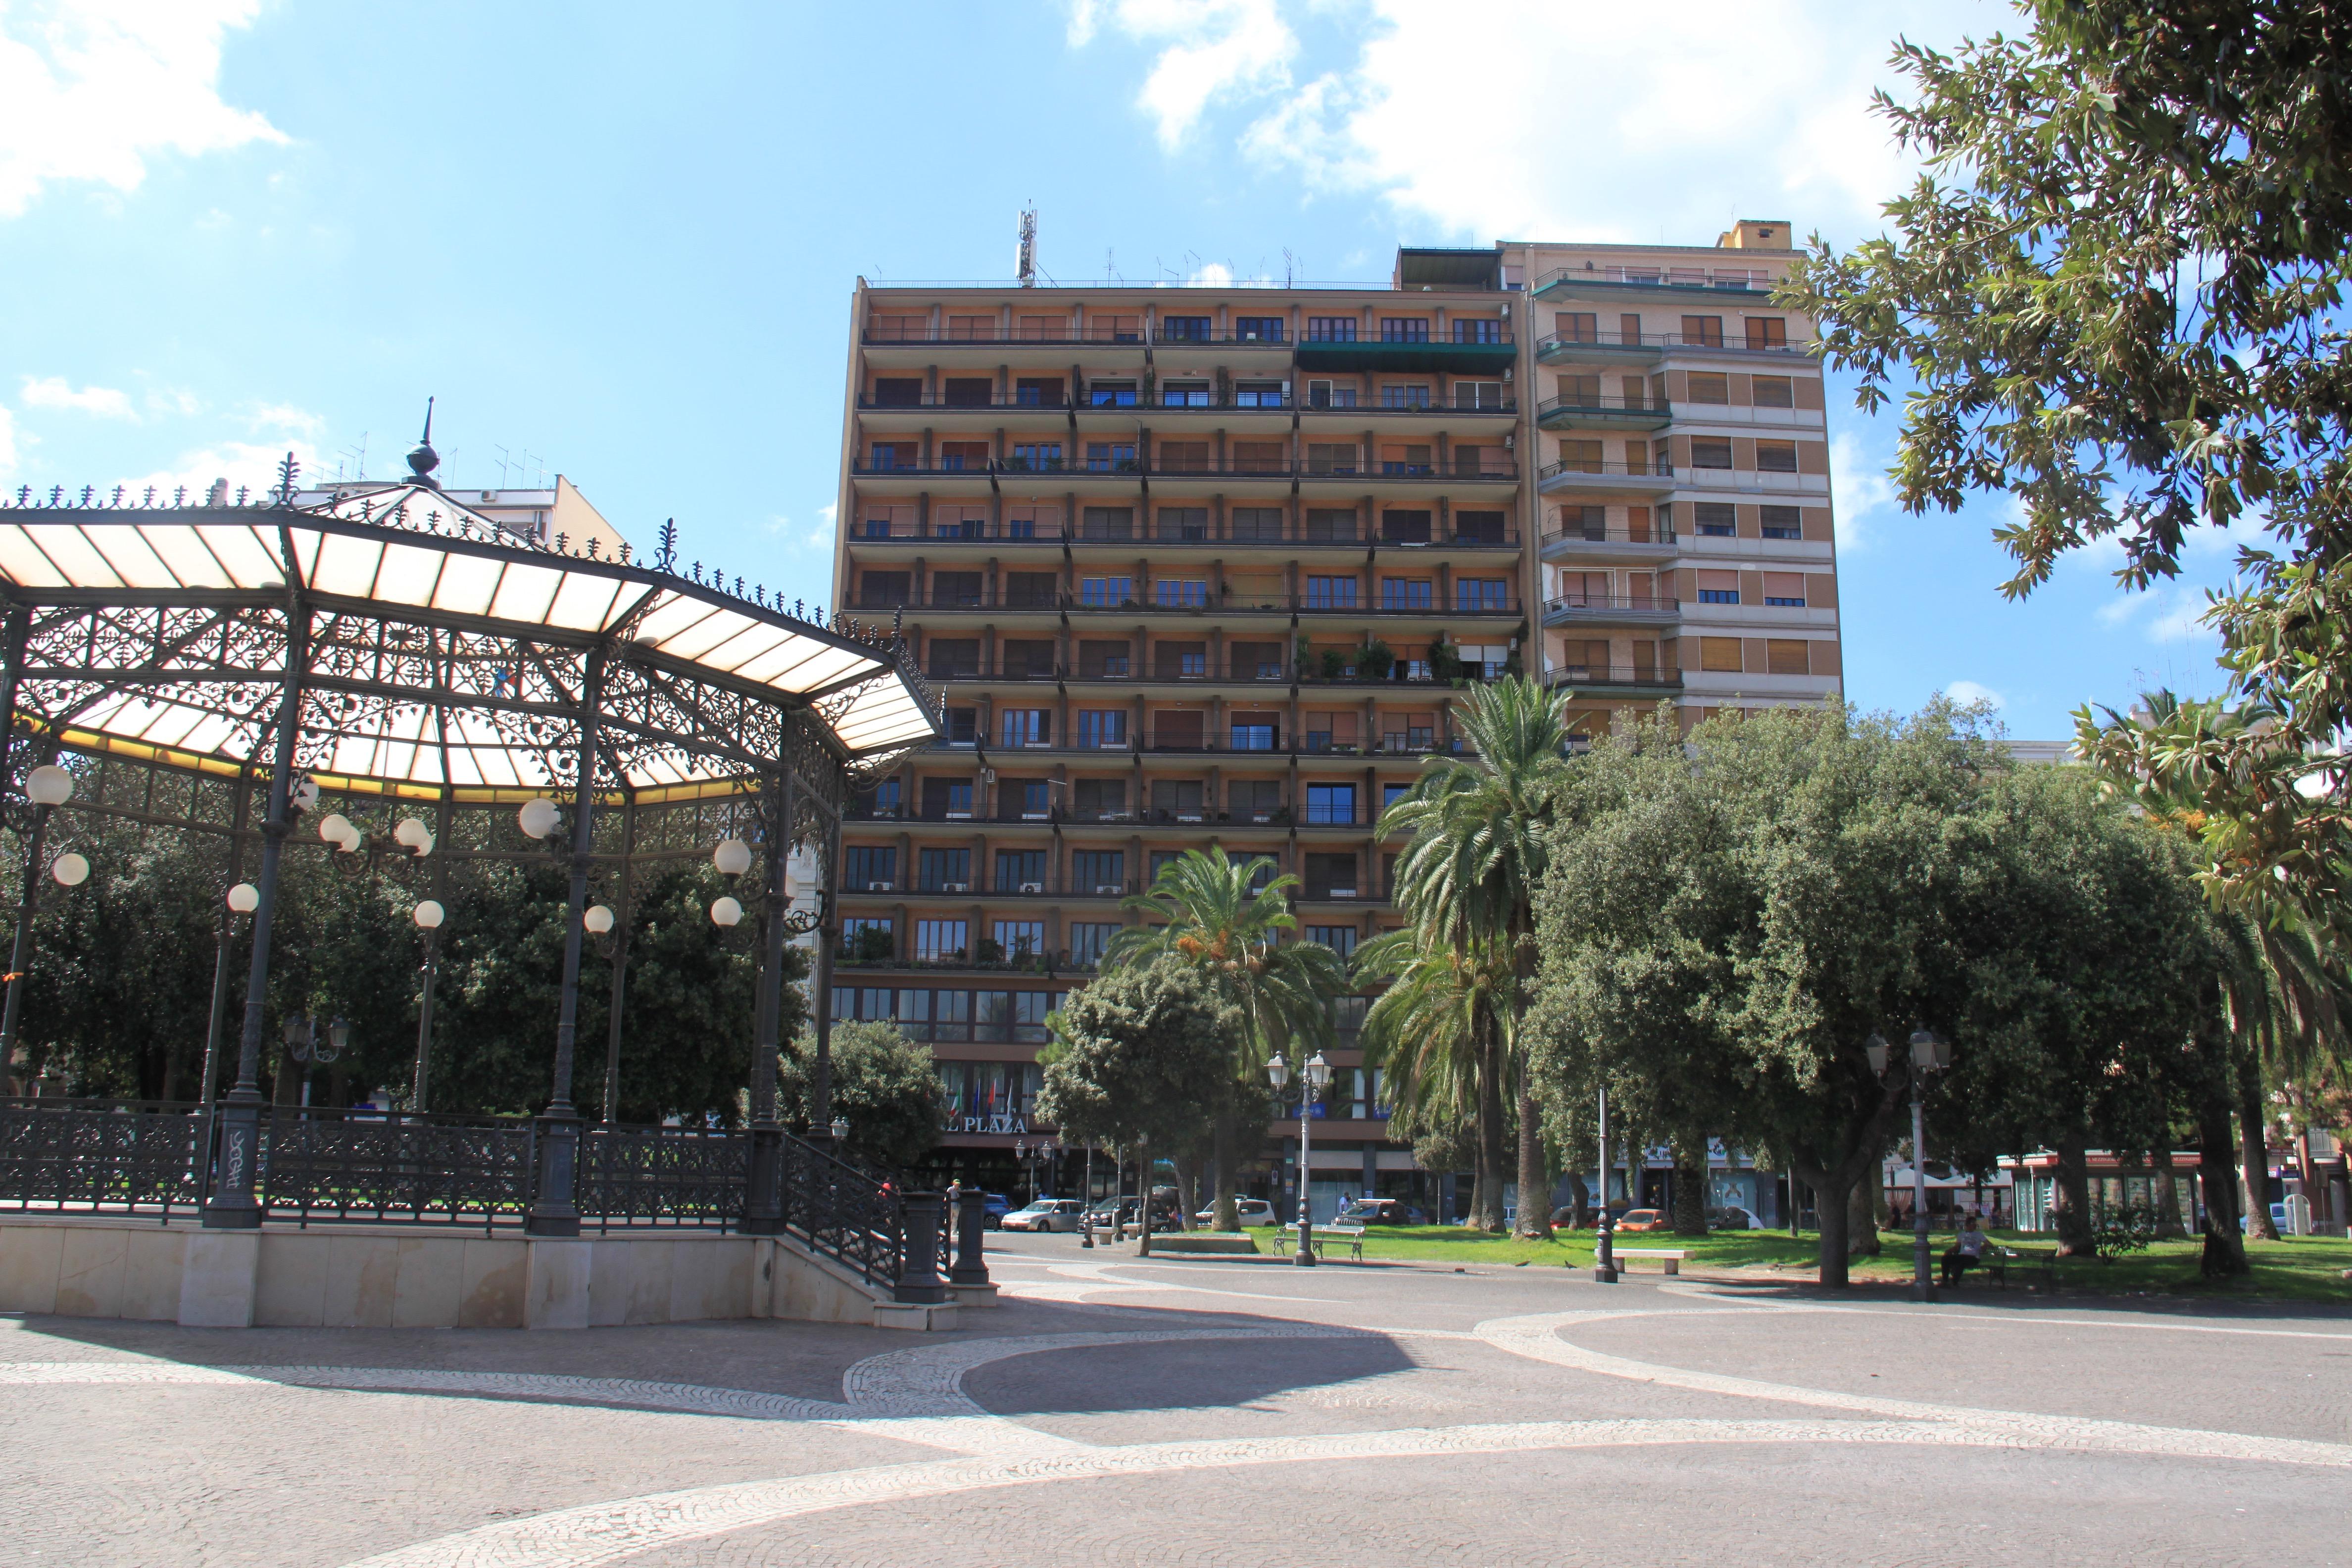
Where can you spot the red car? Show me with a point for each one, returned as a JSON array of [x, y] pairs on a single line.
[[1644, 1219]]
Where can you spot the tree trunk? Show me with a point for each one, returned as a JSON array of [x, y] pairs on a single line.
[[2225, 1249], [2070, 1197], [1690, 1187], [1188, 1190], [2169, 1223], [1535, 1186], [1861, 1209], [2257, 1155], [1228, 1216], [1487, 1202], [1832, 1208], [1580, 1200]]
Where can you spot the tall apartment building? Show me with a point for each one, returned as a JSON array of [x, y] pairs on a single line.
[[1198, 564]]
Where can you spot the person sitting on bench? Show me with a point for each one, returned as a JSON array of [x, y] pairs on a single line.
[[1965, 1254]]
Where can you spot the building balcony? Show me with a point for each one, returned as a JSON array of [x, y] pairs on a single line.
[[1683, 281], [1617, 347], [1587, 542], [1604, 414], [1480, 345], [1613, 609], [882, 532], [1615, 680], [1593, 474], [1344, 400]]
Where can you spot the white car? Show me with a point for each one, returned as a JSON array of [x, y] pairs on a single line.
[[1733, 1218], [1045, 1214], [1253, 1211]]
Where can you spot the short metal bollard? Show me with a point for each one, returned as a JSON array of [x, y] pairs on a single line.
[[918, 1259], [971, 1268]]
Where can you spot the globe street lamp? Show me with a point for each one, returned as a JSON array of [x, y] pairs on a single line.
[[428, 916], [1317, 1075], [46, 787], [1929, 1053]]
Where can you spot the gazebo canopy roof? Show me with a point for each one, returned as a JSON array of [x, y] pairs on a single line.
[[444, 652]]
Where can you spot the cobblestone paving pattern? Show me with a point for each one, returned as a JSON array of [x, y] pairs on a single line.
[[1118, 1411]]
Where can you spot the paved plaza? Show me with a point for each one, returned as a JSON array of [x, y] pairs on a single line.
[[1117, 1411]]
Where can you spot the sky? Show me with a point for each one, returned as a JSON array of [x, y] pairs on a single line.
[[618, 242]]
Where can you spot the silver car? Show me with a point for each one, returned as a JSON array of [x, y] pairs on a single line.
[[1045, 1214], [1253, 1211]]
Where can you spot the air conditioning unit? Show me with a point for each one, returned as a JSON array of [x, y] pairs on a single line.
[[881, 886], [1106, 889], [966, 887], [1032, 887], [1343, 892]]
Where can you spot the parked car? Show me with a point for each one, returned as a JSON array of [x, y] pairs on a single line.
[[1643, 1219], [1733, 1218], [993, 1208], [1045, 1214], [1253, 1211], [1379, 1211]]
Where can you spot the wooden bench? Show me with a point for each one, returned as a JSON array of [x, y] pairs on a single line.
[[1672, 1255], [1354, 1235], [2001, 1262]]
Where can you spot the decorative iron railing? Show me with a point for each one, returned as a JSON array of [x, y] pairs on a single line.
[[72, 1156]]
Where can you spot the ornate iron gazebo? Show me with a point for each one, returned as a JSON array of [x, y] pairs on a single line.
[[396, 650]]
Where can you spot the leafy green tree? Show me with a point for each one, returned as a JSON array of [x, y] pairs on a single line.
[[1143, 1056], [2116, 293], [1212, 914], [884, 1084], [1469, 876]]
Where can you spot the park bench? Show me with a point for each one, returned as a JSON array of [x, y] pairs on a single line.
[[2001, 1262], [1672, 1255], [1354, 1235]]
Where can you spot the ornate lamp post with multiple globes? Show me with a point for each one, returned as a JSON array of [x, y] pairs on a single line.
[[1929, 1053], [1317, 1074]]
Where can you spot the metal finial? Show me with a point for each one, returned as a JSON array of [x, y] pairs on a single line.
[[425, 459]]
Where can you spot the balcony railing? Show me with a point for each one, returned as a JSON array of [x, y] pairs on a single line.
[[1597, 467], [1606, 533], [878, 530], [1751, 279], [1608, 604], [1581, 675], [1485, 470], [1602, 404], [1566, 343]]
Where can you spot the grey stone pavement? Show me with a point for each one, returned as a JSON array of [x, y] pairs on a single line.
[[1117, 1411]]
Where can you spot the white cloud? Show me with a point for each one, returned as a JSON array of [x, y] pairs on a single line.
[[2166, 612], [54, 392], [7, 444], [284, 417], [1969, 691], [1208, 49], [248, 463], [174, 400], [90, 89], [1861, 489], [1527, 119]]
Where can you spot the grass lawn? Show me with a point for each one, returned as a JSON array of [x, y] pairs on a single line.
[[2304, 1268]]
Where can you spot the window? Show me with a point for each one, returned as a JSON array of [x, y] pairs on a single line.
[[1410, 462], [889, 455], [1330, 876], [1330, 457], [1404, 329], [1324, 394], [955, 590], [1100, 728], [1025, 727], [1015, 867], [1255, 660], [1710, 452], [1577, 327], [1181, 458], [951, 1015], [1184, 394], [1785, 588], [1485, 395], [1330, 328], [1106, 592], [1182, 593], [883, 801], [1116, 523], [862, 866], [1037, 456], [1093, 870], [1182, 799], [1259, 394], [1479, 527], [1767, 333], [884, 590], [1775, 392], [1180, 661], [1087, 940], [944, 799], [1253, 800], [1185, 329], [940, 941], [1477, 330], [1113, 456], [1101, 660], [964, 726], [954, 656], [1161, 859], [1038, 392], [897, 391], [945, 871], [1473, 596], [1341, 940], [1255, 522], [1393, 793], [1415, 395], [1332, 805], [1331, 592], [1719, 587], [1036, 797], [1253, 736], [961, 456], [1112, 394], [1325, 526], [1404, 592], [1261, 867], [1032, 590], [867, 938], [1784, 656], [1702, 332], [1028, 658], [1579, 391], [971, 328], [1707, 386], [1099, 798], [1580, 456], [1783, 522], [1719, 654], [1401, 527], [1258, 329], [1776, 457], [1715, 518], [1020, 940]]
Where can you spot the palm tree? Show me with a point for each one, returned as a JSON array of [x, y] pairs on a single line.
[[1429, 1031], [1479, 850], [1219, 913]]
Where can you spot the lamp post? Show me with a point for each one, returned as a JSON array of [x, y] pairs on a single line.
[[428, 916], [47, 787], [1929, 1053], [1604, 1257], [1317, 1076], [1086, 1212]]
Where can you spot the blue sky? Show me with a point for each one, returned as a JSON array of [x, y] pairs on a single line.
[[618, 241]]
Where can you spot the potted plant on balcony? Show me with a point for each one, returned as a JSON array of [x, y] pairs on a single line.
[[1377, 661], [1446, 663], [991, 952], [1336, 665]]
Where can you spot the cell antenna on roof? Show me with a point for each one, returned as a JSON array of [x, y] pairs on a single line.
[[1024, 259], [1289, 262]]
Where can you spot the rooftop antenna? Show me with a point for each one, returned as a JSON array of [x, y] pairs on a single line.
[[1289, 262], [503, 465], [1024, 261]]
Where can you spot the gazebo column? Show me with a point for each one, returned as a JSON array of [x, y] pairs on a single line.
[[231, 1205], [555, 1209], [763, 1206]]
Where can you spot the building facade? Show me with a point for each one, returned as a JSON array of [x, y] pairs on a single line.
[[1212, 565]]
